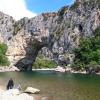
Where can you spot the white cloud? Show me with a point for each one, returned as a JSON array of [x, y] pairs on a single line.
[[16, 8]]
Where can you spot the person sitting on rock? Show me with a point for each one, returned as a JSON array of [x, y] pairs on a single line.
[[10, 84]]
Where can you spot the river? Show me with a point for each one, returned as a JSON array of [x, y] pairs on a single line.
[[57, 86]]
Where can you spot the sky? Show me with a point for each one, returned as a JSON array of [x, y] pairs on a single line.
[[30, 8]]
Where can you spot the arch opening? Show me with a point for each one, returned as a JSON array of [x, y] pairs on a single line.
[[44, 59]]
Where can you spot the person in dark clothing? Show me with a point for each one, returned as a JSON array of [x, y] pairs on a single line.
[[10, 84]]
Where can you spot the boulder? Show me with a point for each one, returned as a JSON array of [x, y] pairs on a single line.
[[32, 90]]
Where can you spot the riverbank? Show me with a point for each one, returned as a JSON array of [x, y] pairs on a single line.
[[14, 94], [64, 70], [61, 70], [8, 69], [13, 68], [57, 69], [48, 69]]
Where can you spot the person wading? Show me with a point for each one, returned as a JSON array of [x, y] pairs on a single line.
[[10, 84]]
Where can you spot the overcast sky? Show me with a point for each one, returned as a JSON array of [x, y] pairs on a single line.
[[30, 8]]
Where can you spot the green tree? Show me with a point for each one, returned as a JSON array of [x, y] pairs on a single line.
[[3, 59], [88, 52]]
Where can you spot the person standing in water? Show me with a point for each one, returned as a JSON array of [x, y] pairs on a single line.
[[10, 84]]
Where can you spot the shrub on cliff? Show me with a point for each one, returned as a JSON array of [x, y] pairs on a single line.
[[3, 59]]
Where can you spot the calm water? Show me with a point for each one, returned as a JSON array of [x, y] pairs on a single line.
[[57, 86]]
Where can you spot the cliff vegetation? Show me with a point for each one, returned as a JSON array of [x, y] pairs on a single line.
[[44, 63], [3, 59], [88, 53]]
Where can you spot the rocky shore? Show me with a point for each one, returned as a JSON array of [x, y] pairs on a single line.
[[8, 69], [68, 69], [61, 70], [16, 94], [57, 69]]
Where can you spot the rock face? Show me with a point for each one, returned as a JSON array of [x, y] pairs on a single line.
[[59, 32]]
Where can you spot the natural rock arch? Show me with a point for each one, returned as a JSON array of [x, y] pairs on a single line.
[[32, 49]]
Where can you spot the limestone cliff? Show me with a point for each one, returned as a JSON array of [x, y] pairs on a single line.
[[60, 32]]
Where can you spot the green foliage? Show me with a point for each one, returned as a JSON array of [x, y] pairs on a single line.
[[3, 48], [44, 63], [3, 59], [97, 31], [88, 52]]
